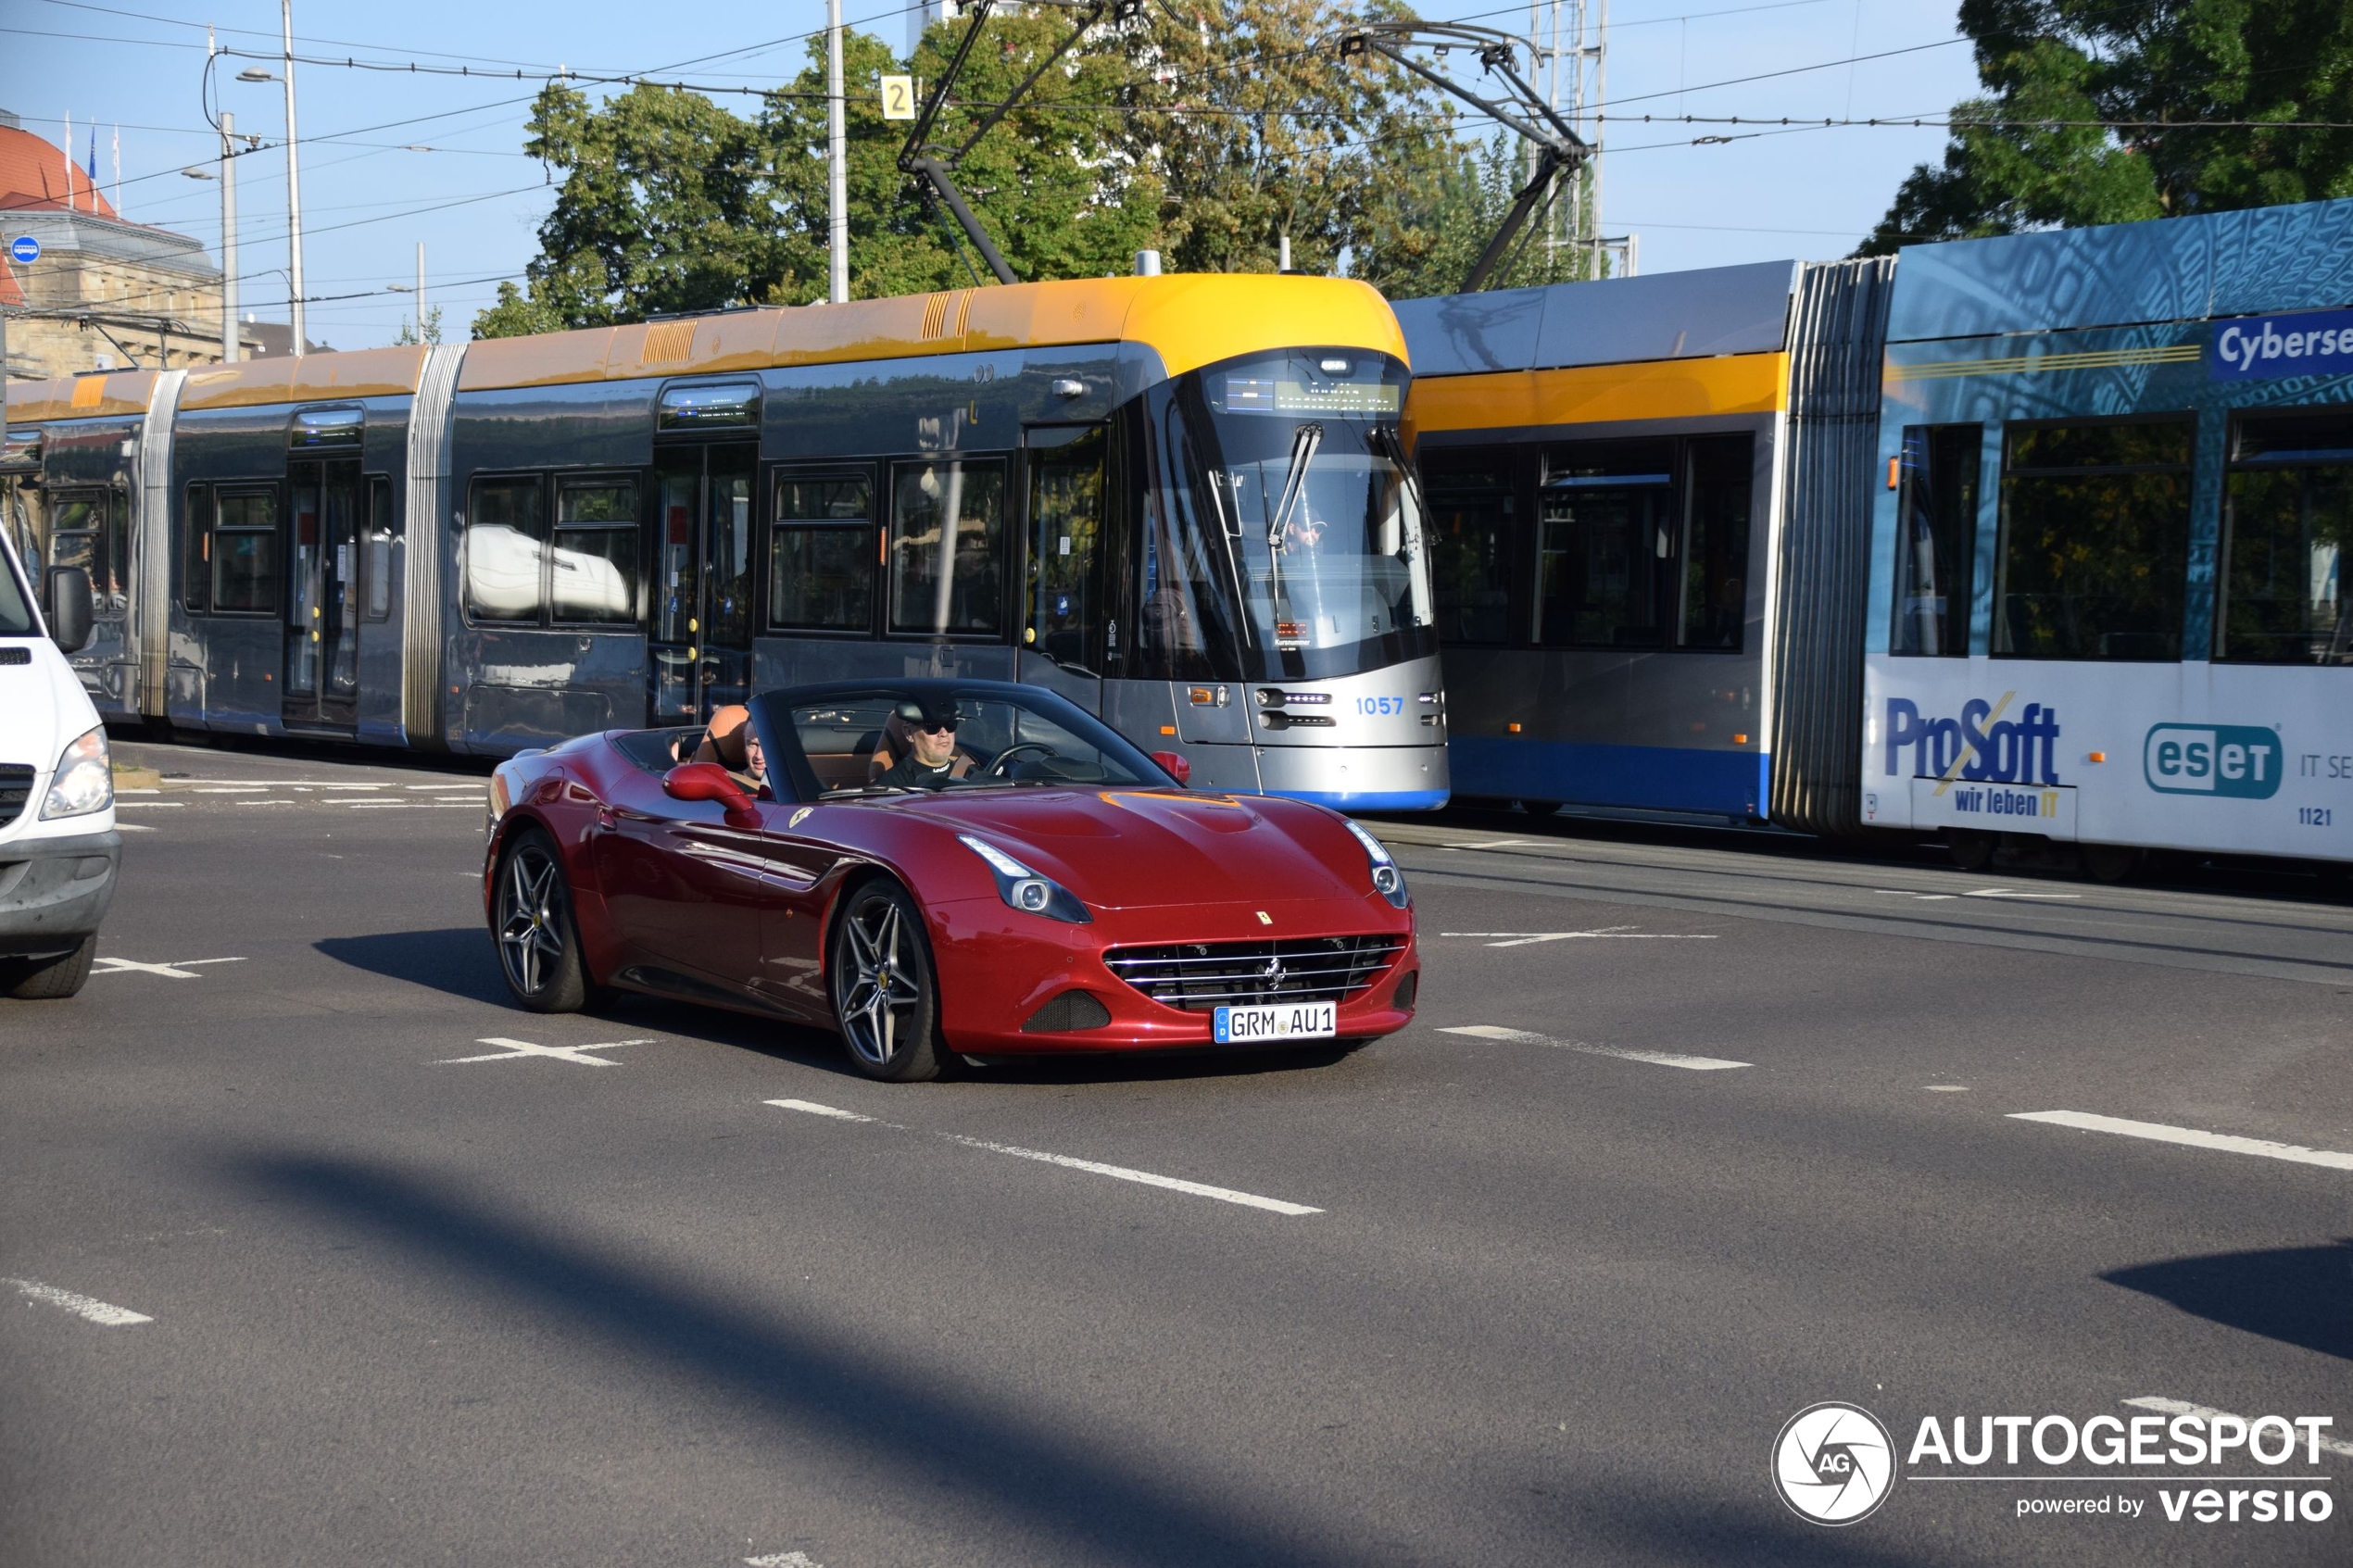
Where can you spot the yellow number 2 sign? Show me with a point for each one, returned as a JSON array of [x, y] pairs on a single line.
[[899, 97]]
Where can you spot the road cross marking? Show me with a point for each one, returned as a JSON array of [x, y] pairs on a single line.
[[1656, 1058], [517, 1049], [1069, 1162], [1613, 933], [176, 970], [2206, 1413], [2157, 1132], [88, 1307]]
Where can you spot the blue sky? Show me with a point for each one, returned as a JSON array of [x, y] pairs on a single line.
[[476, 201]]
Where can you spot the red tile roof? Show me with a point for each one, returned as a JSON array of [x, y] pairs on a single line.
[[35, 175]]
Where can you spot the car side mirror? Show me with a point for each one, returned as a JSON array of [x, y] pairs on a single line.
[[1178, 769], [708, 781], [72, 611]]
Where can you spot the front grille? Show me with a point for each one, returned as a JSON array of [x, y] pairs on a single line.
[[15, 788], [1198, 977]]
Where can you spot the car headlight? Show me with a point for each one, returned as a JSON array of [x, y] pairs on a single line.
[[1023, 889], [84, 779], [1388, 881]]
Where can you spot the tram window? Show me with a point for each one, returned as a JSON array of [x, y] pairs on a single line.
[[245, 555], [1471, 515], [2095, 544], [195, 550], [86, 535], [378, 564], [1935, 539], [2288, 527], [1720, 469], [505, 550], [821, 560], [593, 563], [1606, 546], [947, 547]]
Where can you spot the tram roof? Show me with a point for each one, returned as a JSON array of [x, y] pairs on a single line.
[[1189, 320], [1658, 316]]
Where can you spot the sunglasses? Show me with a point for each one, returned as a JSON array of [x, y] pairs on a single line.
[[946, 727]]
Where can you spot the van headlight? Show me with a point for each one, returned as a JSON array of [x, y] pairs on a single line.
[[1388, 881], [84, 780], [1023, 889]]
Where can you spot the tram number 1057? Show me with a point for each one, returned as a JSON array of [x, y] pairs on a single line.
[[1379, 705]]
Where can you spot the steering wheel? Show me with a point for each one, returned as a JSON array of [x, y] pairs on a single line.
[[999, 769]]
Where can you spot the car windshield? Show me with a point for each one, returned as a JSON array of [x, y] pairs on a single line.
[[16, 615], [841, 744]]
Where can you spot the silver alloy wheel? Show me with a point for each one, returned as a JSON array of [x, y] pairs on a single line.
[[530, 938], [879, 994]]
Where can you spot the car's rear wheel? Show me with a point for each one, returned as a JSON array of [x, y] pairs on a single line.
[[49, 980], [886, 993], [538, 939]]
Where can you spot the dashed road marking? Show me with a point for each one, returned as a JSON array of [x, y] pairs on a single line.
[[1946, 1088], [1656, 1058], [176, 970], [1488, 844], [2157, 1132], [151, 805], [2206, 1413], [784, 1560], [80, 1306], [1979, 893], [1612, 933], [1070, 1162], [515, 1051]]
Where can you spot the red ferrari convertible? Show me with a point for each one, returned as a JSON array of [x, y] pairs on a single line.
[[939, 869]]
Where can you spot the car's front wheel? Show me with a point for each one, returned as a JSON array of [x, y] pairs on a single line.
[[49, 980], [538, 939], [885, 992]]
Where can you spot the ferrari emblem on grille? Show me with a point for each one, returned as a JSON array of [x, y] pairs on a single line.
[[1265, 919], [1273, 970]]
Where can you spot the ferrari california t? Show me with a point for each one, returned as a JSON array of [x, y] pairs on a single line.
[[941, 870]]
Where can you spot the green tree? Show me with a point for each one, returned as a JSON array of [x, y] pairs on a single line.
[[2156, 74]]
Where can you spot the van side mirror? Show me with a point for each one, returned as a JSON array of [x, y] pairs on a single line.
[[1178, 769], [72, 609]]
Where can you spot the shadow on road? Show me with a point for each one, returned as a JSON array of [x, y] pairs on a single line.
[[458, 962], [2295, 1294]]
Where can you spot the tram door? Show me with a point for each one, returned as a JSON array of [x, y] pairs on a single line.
[[700, 655], [325, 502], [1061, 639]]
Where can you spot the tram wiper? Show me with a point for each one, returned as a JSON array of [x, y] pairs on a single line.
[[1306, 442]]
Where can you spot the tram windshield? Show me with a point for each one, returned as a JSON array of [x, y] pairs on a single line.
[[1284, 520]]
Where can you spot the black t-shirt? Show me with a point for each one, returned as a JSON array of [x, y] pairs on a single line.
[[909, 773]]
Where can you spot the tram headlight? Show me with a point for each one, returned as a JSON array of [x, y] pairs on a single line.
[[1023, 889], [1388, 880], [84, 780]]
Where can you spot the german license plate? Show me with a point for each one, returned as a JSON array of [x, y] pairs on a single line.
[[1288, 1021]]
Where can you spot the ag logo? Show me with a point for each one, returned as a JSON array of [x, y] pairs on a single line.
[[1833, 1463]]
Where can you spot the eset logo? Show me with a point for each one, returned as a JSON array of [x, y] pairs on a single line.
[[2238, 760], [1833, 1463]]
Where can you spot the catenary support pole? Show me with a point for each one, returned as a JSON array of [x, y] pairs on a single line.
[[421, 291], [837, 175], [228, 349], [294, 186]]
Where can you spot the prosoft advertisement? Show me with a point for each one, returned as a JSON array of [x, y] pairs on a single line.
[[2189, 756]]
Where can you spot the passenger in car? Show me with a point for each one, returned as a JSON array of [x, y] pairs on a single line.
[[932, 760], [732, 744]]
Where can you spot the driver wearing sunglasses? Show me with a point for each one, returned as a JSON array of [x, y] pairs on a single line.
[[931, 760]]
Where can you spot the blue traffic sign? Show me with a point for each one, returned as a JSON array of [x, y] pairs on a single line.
[[25, 248]]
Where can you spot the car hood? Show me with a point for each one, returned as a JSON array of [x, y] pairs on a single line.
[[1140, 849]]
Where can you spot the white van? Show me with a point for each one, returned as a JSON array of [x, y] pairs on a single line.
[[59, 846]]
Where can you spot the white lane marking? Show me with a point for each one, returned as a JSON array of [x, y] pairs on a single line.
[[1488, 844], [2012, 893], [2206, 1413], [2157, 1132], [1070, 1162], [813, 1109], [378, 805], [230, 789], [142, 789], [155, 805], [1948, 1088], [1173, 1184], [516, 1050], [132, 827], [784, 1560], [80, 1306], [1610, 933], [1907, 893], [1658, 1059], [261, 802], [176, 970]]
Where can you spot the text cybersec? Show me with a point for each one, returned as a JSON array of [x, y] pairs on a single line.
[[1990, 744]]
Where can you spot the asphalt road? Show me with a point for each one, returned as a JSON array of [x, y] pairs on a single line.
[[1740, 1128]]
